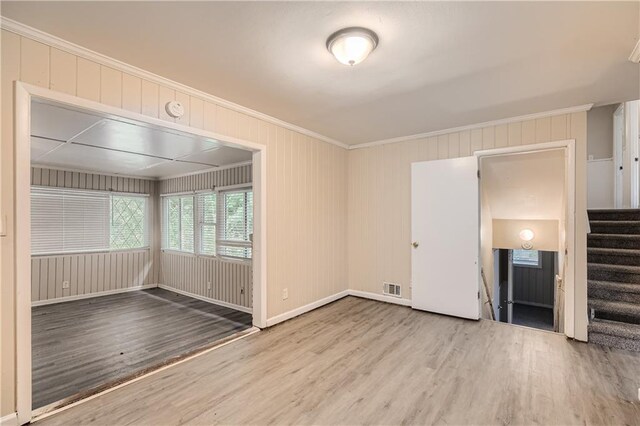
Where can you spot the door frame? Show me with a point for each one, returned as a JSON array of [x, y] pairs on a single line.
[[510, 286], [570, 216], [24, 93], [618, 155], [631, 118]]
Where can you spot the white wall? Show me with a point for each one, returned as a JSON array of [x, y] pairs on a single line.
[[600, 131], [600, 168], [600, 184]]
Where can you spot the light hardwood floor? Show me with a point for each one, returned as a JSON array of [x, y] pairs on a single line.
[[363, 362]]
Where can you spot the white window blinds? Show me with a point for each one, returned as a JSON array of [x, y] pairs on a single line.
[[69, 220], [207, 222], [178, 223], [235, 223], [73, 220]]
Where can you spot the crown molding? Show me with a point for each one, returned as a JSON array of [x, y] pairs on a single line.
[[53, 41], [569, 110], [635, 53]]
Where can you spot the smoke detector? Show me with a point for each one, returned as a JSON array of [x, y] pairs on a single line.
[[175, 109]]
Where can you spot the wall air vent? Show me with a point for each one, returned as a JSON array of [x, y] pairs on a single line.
[[391, 289]]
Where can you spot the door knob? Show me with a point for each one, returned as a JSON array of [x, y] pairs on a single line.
[[415, 244]]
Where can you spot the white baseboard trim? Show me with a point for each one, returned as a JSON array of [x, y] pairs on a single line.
[[380, 297], [90, 295], [9, 420], [207, 299], [306, 308]]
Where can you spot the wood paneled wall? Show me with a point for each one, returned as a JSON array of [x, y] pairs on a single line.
[[96, 272], [90, 273], [535, 285], [209, 180], [210, 277], [306, 179], [207, 276], [379, 199]]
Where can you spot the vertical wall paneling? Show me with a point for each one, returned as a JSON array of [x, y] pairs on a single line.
[[131, 93], [97, 272], [88, 84], [150, 105], [110, 87], [535, 286], [9, 72], [63, 72], [34, 63], [230, 281], [196, 113]]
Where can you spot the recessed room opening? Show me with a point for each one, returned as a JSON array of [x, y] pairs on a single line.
[[524, 209], [141, 248]]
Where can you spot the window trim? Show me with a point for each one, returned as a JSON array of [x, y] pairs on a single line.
[[242, 187], [198, 225], [197, 231], [538, 265], [110, 194], [164, 222]]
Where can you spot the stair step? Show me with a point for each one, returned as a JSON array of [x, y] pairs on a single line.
[[615, 342], [614, 292], [615, 226], [614, 214], [616, 311], [613, 256], [622, 241], [614, 273], [615, 328], [615, 334]]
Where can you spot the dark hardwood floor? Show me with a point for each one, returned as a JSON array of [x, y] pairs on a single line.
[[80, 345], [533, 316]]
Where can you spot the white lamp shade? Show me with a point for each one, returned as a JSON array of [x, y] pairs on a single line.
[[351, 46]]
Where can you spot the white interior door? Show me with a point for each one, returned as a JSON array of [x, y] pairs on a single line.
[[446, 237]]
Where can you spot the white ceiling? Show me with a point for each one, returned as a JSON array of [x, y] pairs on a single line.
[[439, 64], [525, 186], [71, 139]]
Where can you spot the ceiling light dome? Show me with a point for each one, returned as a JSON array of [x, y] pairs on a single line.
[[352, 45], [526, 235]]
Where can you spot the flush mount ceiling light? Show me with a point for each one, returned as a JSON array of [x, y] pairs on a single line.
[[526, 235], [352, 45]]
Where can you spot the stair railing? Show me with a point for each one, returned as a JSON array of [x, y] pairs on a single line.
[[486, 290]]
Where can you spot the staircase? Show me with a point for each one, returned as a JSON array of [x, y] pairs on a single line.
[[613, 257]]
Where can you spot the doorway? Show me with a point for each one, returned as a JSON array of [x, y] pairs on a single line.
[[524, 205], [526, 292], [113, 222], [519, 198]]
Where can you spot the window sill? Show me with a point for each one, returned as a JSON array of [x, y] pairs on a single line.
[[76, 253]]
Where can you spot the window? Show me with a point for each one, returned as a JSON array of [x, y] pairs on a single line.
[[128, 222], [235, 223], [207, 222], [72, 220], [222, 222], [526, 258], [178, 223]]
